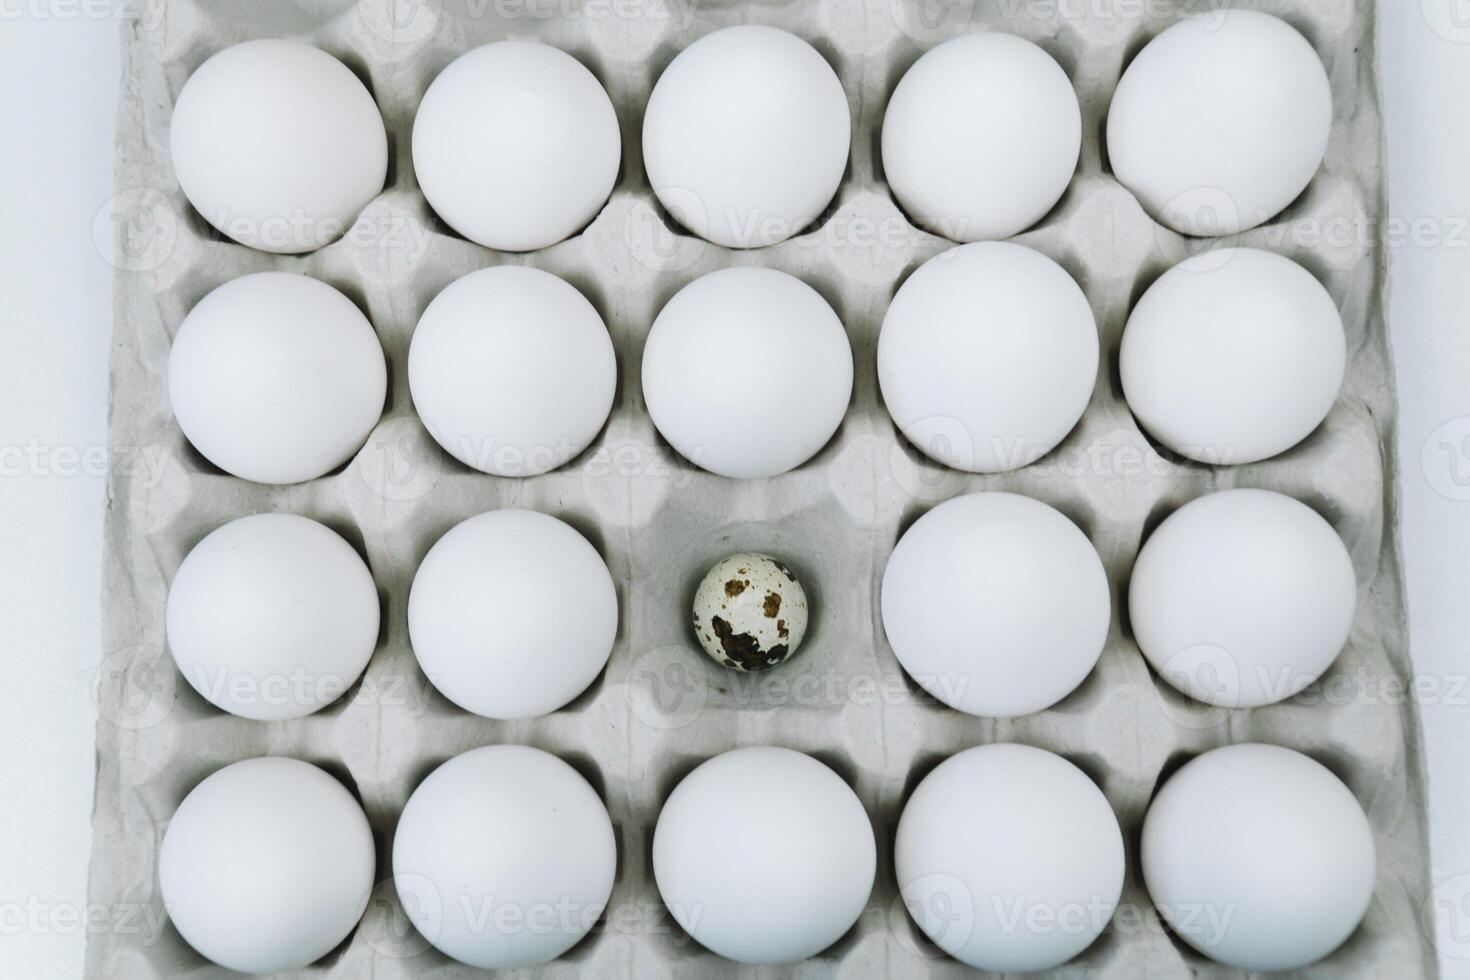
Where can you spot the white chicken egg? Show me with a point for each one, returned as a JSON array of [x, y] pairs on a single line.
[[747, 372], [764, 855], [272, 616], [988, 356], [512, 614], [1009, 858], [516, 145], [750, 612], [267, 865], [1242, 598], [504, 857], [278, 145], [1219, 124], [1233, 356], [746, 135], [981, 137], [277, 378], [512, 370], [1258, 857], [996, 604]]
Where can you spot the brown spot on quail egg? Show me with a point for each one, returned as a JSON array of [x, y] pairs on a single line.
[[736, 610]]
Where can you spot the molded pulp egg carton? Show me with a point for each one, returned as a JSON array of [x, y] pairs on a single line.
[[660, 706]]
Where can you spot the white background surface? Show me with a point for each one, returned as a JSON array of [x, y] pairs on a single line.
[[58, 97]]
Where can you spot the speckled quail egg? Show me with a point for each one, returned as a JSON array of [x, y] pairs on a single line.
[[750, 612]]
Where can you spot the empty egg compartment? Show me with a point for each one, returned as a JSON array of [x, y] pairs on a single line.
[[661, 706]]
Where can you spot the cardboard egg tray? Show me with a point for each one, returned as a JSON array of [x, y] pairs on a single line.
[[661, 706]]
